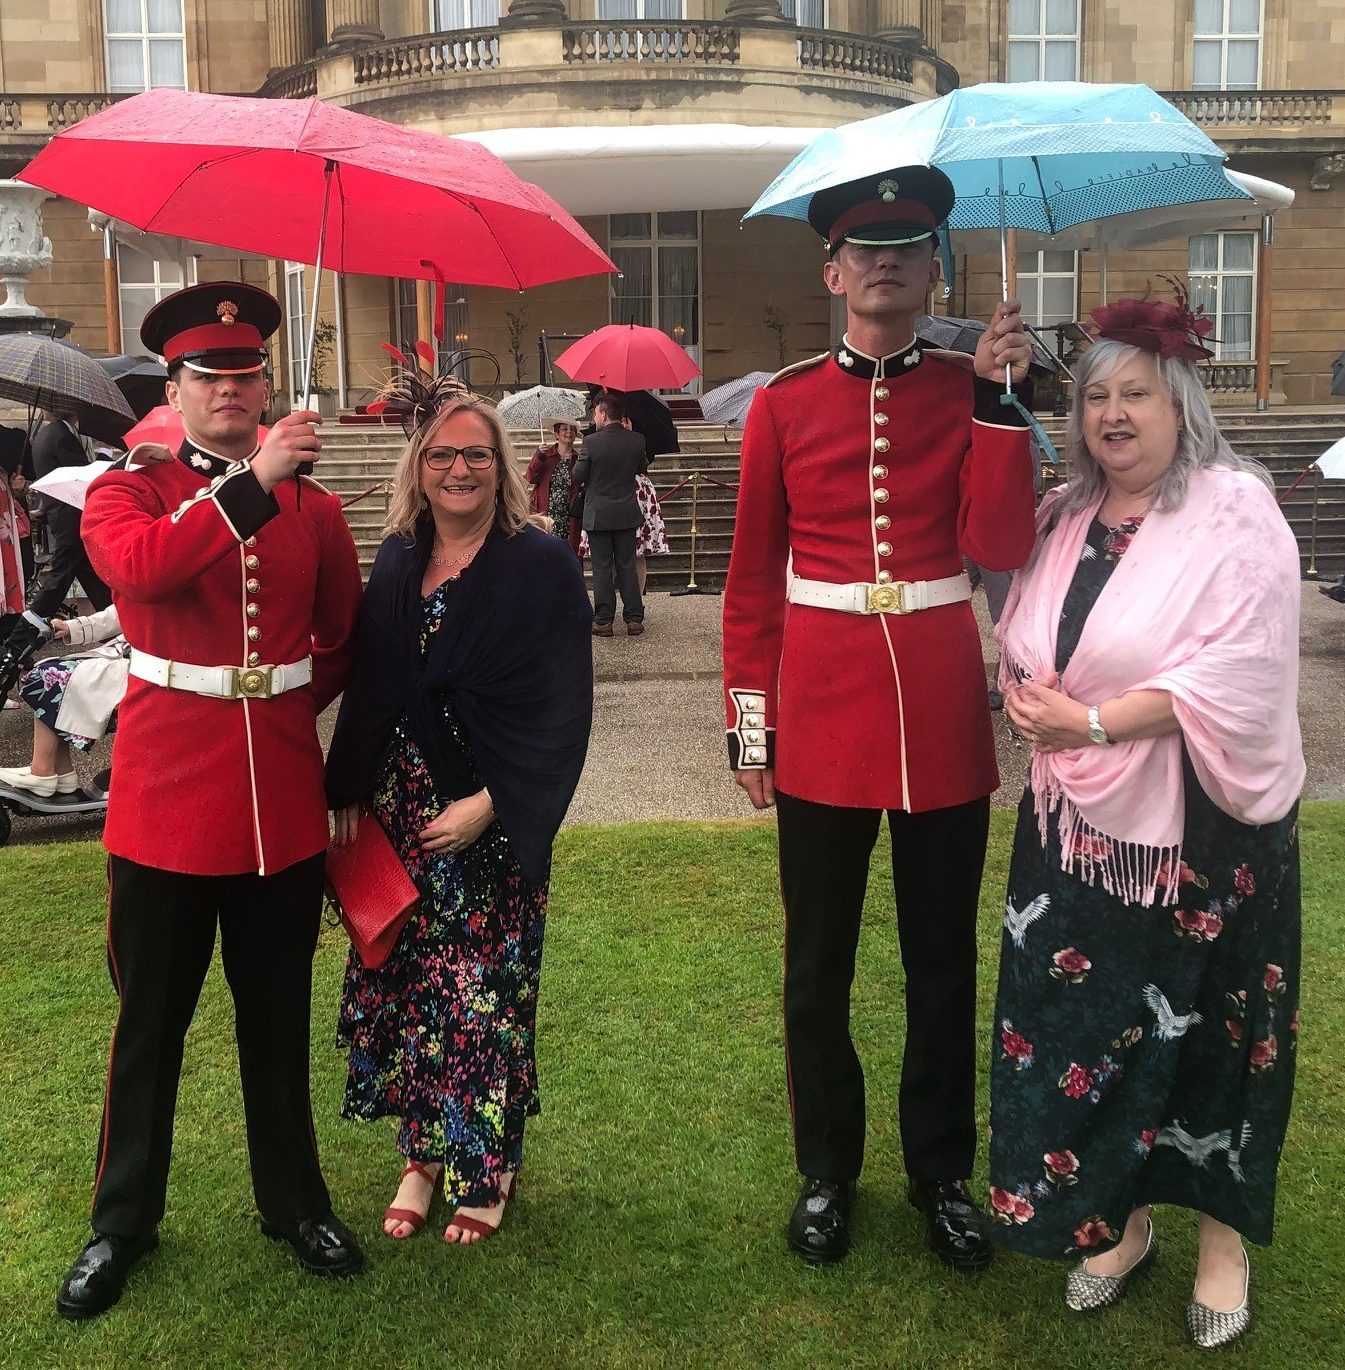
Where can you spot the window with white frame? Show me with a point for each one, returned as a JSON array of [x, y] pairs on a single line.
[[464, 14], [1221, 278], [142, 282], [807, 14], [296, 327], [658, 256], [642, 9], [1227, 52], [457, 335], [1043, 40], [1048, 287], [146, 44]]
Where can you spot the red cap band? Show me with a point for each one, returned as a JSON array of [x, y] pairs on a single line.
[[883, 212], [212, 337]]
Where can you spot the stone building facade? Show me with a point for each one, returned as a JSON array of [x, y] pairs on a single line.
[[539, 80]]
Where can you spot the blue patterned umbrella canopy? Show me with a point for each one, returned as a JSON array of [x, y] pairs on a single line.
[[1037, 155]]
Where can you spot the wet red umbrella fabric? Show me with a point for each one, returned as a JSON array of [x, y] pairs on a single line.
[[163, 424], [254, 175], [628, 356]]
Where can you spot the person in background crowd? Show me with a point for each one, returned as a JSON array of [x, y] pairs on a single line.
[[877, 468], [550, 475], [73, 699], [612, 459], [58, 444], [239, 601], [1147, 1015], [464, 729]]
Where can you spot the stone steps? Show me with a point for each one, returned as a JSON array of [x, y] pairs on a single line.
[[355, 459]]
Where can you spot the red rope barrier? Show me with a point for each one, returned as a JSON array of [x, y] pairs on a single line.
[[709, 480]]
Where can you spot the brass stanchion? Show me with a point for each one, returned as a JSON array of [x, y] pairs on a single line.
[[1312, 573], [691, 588]]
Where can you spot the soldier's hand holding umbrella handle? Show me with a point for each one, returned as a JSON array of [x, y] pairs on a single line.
[[290, 448], [1004, 343], [760, 786]]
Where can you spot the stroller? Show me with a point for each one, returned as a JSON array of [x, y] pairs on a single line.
[[23, 635]]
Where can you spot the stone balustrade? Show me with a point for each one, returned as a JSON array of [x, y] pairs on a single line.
[[413, 59], [684, 41], [828, 50], [298, 82], [1275, 108], [1235, 381]]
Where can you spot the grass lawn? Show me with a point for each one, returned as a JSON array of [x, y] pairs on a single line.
[[649, 1228]]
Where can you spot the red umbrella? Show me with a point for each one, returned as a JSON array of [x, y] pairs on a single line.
[[164, 424], [308, 182], [628, 356]]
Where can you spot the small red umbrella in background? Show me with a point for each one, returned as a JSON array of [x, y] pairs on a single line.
[[309, 182], [163, 424], [628, 356]]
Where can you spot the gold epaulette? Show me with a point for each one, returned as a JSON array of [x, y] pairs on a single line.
[[796, 367]]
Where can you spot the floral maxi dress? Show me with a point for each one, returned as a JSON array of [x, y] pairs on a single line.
[[1142, 1055], [442, 1035]]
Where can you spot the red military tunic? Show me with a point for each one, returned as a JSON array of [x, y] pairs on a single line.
[[207, 568], [865, 470]]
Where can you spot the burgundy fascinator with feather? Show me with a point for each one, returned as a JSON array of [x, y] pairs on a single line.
[[1170, 330], [416, 393]]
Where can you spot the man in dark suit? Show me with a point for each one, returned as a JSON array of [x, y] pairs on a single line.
[[610, 460], [57, 444]]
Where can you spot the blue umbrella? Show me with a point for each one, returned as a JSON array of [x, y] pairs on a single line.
[[1037, 155], [1043, 156]]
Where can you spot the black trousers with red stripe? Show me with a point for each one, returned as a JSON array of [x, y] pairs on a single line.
[[937, 860], [161, 936]]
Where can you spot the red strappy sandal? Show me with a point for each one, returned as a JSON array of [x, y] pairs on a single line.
[[415, 1221], [480, 1229]]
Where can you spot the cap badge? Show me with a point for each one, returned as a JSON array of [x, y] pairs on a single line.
[[228, 312], [887, 191]]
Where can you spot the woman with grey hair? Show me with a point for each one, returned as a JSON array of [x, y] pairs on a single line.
[[1147, 1012]]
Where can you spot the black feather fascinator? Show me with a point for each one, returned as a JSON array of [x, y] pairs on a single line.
[[418, 391]]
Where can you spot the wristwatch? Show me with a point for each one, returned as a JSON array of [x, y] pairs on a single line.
[[1096, 732]]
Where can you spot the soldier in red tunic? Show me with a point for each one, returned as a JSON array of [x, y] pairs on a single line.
[[239, 601], [854, 685]]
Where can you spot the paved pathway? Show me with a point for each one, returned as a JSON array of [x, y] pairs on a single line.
[[658, 742]]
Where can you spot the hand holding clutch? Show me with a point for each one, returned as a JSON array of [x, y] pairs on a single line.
[[372, 891]]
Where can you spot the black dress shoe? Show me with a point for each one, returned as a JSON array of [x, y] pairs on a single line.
[[819, 1227], [959, 1234], [323, 1245], [98, 1276]]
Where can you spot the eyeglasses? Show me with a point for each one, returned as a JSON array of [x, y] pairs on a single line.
[[442, 458]]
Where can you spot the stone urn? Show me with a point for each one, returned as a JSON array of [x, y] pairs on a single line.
[[23, 246]]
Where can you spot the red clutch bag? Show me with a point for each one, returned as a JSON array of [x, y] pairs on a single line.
[[372, 892]]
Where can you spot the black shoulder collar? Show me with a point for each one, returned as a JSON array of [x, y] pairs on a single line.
[[856, 363]]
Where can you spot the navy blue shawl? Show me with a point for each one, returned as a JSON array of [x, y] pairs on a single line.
[[514, 656]]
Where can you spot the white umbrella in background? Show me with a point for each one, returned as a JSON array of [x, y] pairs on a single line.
[[70, 484], [1332, 461], [541, 406], [728, 404]]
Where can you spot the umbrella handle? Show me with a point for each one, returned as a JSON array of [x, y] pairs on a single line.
[[1004, 269], [327, 173]]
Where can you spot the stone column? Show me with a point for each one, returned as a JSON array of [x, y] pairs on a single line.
[[289, 32], [24, 248], [931, 22], [350, 22], [755, 11], [899, 20], [536, 12]]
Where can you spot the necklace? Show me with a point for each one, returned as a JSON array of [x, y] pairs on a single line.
[[455, 564]]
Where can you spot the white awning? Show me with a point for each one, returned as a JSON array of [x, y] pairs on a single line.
[[637, 168]]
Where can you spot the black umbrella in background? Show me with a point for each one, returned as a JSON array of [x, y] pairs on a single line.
[[962, 335], [140, 379]]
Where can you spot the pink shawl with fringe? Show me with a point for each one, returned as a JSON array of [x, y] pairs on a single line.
[[1204, 604]]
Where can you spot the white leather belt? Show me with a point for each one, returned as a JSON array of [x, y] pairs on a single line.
[[864, 597], [222, 682]]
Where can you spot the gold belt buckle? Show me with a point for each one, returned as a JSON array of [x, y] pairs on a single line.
[[252, 682], [888, 599]]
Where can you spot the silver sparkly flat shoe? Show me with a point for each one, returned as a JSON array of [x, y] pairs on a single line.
[[1086, 1293], [1209, 1327]]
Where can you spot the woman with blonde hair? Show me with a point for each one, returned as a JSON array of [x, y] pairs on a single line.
[[464, 730], [1147, 1015]]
